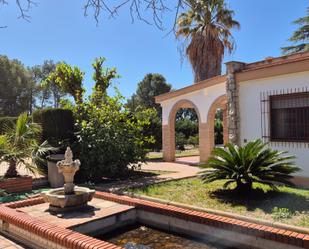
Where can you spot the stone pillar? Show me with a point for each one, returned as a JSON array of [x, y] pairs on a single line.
[[168, 142], [232, 100]]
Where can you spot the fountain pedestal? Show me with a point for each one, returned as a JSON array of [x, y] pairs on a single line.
[[69, 197]]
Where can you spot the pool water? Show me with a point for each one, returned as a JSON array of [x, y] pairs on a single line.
[[144, 237]]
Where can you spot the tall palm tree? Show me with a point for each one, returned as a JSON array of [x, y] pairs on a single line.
[[207, 26]]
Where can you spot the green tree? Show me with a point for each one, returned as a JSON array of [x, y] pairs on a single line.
[[68, 79], [152, 85], [17, 87], [254, 162], [47, 94], [207, 26], [300, 37]]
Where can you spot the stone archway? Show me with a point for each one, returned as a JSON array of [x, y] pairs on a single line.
[[168, 131], [206, 130], [207, 134]]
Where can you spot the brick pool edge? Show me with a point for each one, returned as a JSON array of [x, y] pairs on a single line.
[[52, 236]]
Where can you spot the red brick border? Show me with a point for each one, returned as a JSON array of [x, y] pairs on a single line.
[[71, 239], [17, 184], [56, 234], [248, 228]]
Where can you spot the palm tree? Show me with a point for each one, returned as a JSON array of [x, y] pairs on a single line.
[[20, 143], [300, 36], [206, 25], [254, 162]]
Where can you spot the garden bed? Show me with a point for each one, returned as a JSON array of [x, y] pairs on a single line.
[[17, 184], [287, 205]]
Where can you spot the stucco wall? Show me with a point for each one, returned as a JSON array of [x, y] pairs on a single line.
[[202, 99], [250, 111]]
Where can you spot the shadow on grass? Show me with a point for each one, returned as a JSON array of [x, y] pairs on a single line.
[[264, 200]]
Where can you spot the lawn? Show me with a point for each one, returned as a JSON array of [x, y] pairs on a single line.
[[185, 153], [287, 205]]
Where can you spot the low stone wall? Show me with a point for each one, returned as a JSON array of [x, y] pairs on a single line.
[[41, 234], [175, 219], [17, 185], [266, 235]]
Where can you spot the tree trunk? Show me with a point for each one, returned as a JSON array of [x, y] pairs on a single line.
[[205, 54], [11, 172], [243, 188]]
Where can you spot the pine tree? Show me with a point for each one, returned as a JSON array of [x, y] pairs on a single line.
[[300, 37]]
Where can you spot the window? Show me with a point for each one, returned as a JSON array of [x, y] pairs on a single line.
[[289, 117]]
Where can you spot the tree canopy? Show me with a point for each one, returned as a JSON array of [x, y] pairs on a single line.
[[206, 26], [300, 38], [17, 87], [152, 85]]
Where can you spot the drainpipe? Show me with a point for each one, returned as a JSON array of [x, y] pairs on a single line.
[[233, 101]]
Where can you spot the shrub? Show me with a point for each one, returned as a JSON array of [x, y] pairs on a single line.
[[109, 138], [180, 141], [6, 122], [194, 140], [57, 124], [254, 162], [20, 143], [281, 213]]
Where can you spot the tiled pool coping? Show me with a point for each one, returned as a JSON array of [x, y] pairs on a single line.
[[66, 238]]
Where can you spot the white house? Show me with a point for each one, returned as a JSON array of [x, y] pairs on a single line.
[[267, 99]]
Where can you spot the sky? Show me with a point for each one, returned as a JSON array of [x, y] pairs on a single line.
[[58, 30]]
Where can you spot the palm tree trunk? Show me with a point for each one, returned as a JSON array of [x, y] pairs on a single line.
[[11, 172]]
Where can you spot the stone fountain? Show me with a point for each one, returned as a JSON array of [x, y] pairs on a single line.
[[69, 197]]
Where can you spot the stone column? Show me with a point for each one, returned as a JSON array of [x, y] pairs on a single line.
[[168, 142], [233, 102]]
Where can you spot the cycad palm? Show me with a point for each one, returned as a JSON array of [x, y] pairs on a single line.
[[254, 162], [207, 25], [20, 143]]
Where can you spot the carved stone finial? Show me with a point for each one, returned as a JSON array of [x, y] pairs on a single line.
[[68, 156]]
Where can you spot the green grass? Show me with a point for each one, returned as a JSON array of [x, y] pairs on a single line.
[[287, 205], [20, 196], [185, 153]]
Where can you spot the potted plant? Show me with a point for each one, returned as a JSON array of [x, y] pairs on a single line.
[[20, 146]]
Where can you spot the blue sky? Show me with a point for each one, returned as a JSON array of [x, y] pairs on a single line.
[[59, 31]]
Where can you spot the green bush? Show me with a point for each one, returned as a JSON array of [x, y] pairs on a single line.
[[6, 122], [57, 124], [194, 140], [181, 141], [109, 138]]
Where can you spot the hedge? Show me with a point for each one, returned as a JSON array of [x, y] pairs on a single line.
[[57, 124], [6, 122]]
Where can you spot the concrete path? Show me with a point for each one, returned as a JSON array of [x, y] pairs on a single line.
[[189, 160], [177, 171]]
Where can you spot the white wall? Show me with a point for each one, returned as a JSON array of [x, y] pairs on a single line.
[[203, 99], [250, 111]]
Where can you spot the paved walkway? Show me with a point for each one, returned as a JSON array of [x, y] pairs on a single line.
[[177, 171], [189, 160]]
